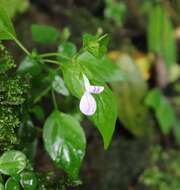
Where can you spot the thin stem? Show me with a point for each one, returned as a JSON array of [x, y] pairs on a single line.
[[54, 100], [50, 54], [41, 95], [20, 45], [51, 61]]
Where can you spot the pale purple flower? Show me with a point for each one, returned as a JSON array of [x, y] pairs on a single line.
[[88, 102]]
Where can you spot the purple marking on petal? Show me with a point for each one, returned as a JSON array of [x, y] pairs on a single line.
[[87, 104], [96, 89]]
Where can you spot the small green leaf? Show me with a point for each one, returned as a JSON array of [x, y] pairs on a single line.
[[12, 184], [7, 31], [28, 180], [44, 34], [95, 45], [59, 86], [12, 162], [67, 49], [65, 142], [105, 115]]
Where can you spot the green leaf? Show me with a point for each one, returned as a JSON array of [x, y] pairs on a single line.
[[130, 96], [73, 78], [28, 180], [65, 142], [96, 45], [163, 110], [105, 115], [7, 31], [14, 6], [1, 186], [30, 66], [12, 184], [59, 86], [12, 162], [161, 39], [67, 49], [44, 34], [101, 69]]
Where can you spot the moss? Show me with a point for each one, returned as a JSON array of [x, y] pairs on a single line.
[[12, 91]]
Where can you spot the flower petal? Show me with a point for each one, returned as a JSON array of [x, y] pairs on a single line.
[[96, 89], [87, 104], [86, 82]]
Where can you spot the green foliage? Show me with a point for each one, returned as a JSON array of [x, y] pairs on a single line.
[[67, 49], [106, 115], [106, 104], [7, 31], [163, 170], [59, 86], [12, 162], [163, 110], [130, 95], [96, 45], [101, 69], [28, 180], [14, 6], [65, 142], [44, 34], [116, 11], [161, 38], [1, 186], [12, 184]]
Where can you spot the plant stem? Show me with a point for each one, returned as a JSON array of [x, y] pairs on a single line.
[[42, 94], [51, 61], [21, 46], [54, 100], [50, 54]]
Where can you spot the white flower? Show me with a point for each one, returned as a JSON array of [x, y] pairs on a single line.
[[87, 102]]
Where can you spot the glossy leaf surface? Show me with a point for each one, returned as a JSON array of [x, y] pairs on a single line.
[[12, 184], [28, 180], [12, 162], [65, 142]]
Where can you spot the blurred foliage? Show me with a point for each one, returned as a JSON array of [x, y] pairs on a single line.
[[162, 172], [116, 11], [14, 6], [130, 94], [161, 38]]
